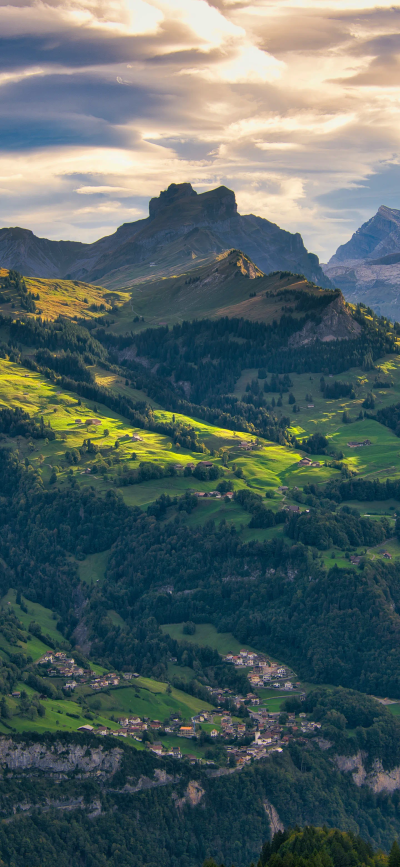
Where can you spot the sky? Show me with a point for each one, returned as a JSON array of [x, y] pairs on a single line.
[[293, 104]]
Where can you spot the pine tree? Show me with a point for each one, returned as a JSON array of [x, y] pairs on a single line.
[[394, 856]]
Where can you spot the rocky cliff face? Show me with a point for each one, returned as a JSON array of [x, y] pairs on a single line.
[[336, 324], [367, 268], [376, 779], [183, 228], [59, 758]]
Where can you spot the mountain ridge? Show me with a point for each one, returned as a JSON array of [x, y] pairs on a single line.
[[182, 225]]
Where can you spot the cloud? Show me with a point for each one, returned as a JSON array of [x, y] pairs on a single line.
[[294, 105]]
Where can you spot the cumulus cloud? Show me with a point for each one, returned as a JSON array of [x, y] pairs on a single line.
[[294, 105]]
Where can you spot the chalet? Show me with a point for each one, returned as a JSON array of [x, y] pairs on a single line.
[[305, 462], [387, 556], [292, 508], [85, 728], [357, 445], [206, 464], [137, 438], [186, 731], [214, 733]]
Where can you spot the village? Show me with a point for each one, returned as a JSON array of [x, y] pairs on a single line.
[[262, 734], [245, 730], [263, 673], [58, 664]]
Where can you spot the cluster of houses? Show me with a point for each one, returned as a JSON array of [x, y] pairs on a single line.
[[58, 664], [262, 672], [272, 736], [263, 733]]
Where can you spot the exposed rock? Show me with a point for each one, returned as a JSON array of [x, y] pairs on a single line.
[[193, 795], [378, 237], [336, 324], [376, 779], [58, 758], [161, 778], [274, 820]]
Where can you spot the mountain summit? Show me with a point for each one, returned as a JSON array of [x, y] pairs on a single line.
[[379, 236], [367, 267], [184, 229]]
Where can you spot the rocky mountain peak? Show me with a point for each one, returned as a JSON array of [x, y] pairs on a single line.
[[181, 203], [379, 236], [389, 213], [170, 196]]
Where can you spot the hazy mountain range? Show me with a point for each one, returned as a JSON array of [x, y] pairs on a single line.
[[183, 229]]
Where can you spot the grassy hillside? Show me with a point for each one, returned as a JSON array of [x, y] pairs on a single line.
[[67, 298], [231, 285]]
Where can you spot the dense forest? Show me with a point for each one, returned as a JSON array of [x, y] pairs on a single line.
[[317, 846], [113, 826], [334, 626]]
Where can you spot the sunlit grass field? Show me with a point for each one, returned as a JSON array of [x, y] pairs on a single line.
[[206, 635]]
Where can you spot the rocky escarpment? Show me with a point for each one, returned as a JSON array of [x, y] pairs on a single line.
[[59, 758], [336, 323], [376, 778]]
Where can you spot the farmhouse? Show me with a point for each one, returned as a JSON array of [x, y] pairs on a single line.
[[357, 445]]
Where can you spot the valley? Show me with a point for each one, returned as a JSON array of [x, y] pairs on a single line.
[[199, 551]]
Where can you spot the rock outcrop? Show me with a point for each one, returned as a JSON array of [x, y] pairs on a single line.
[[274, 820], [192, 795], [336, 324], [59, 758], [376, 778]]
